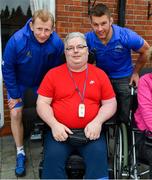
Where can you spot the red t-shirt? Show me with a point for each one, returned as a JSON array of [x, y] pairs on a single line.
[[58, 84]]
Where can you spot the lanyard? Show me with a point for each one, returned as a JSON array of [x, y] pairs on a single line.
[[84, 85]]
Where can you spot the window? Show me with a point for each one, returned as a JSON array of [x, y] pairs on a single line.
[[13, 16]]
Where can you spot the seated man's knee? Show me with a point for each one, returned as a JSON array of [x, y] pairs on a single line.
[[100, 152], [55, 154], [54, 150], [99, 149], [100, 145]]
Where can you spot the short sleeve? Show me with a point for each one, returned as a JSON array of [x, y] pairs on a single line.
[[131, 39], [46, 87]]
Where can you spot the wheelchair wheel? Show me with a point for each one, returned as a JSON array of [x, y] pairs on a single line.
[[121, 152]]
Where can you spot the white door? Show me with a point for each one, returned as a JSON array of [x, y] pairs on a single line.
[[1, 86]]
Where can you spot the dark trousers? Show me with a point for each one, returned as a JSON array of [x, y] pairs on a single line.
[[122, 90], [56, 155]]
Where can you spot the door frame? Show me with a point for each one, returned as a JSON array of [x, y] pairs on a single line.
[[1, 86]]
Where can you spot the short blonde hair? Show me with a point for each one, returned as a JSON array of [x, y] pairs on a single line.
[[44, 15], [149, 54]]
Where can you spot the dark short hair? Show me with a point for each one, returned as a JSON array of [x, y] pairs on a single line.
[[100, 10]]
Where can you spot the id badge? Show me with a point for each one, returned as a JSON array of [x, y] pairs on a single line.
[[81, 110]]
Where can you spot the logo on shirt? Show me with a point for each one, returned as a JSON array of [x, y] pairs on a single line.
[[92, 82], [29, 54], [119, 48]]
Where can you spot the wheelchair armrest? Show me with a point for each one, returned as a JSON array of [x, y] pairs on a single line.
[[148, 137], [110, 122], [148, 134], [137, 130]]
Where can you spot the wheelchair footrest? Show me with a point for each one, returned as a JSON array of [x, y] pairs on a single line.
[[75, 167], [36, 134]]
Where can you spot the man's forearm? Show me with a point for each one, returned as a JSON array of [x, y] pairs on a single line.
[[142, 58], [141, 61], [106, 111], [46, 113]]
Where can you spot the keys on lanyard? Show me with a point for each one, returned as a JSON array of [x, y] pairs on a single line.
[[81, 107], [81, 110]]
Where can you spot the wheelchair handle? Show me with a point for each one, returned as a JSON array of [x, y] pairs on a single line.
[[133, 88]]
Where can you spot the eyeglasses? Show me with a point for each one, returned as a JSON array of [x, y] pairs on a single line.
[[78, 47]]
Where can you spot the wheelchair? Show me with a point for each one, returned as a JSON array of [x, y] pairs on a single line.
[[122, 142], [75, 166], [131, 145], [122, 151]]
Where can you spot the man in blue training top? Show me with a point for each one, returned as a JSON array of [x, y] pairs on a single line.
[[28, 55], [112, 46]]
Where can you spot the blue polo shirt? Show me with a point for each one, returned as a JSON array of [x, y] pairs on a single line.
[[115, 57]]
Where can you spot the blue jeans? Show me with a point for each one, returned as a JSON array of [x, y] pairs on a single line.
[[123, 94], [56, 155]]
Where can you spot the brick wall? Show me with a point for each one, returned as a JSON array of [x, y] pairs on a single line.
[[72, 15]]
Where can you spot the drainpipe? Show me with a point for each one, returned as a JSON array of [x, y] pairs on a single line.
[[121, 12], [90, 6]]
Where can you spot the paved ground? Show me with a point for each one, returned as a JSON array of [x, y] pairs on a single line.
[[33, 152], [8, 158]]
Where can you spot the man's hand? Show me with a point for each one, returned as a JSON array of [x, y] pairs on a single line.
[[134, 79], [60, 132], [93, 129], [13, 102]]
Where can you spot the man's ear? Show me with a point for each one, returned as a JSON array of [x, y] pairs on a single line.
[[53, 28], [111, 20], [31, 26], [90, 19]]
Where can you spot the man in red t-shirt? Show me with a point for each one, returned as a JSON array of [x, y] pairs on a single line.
[[71, 96]]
